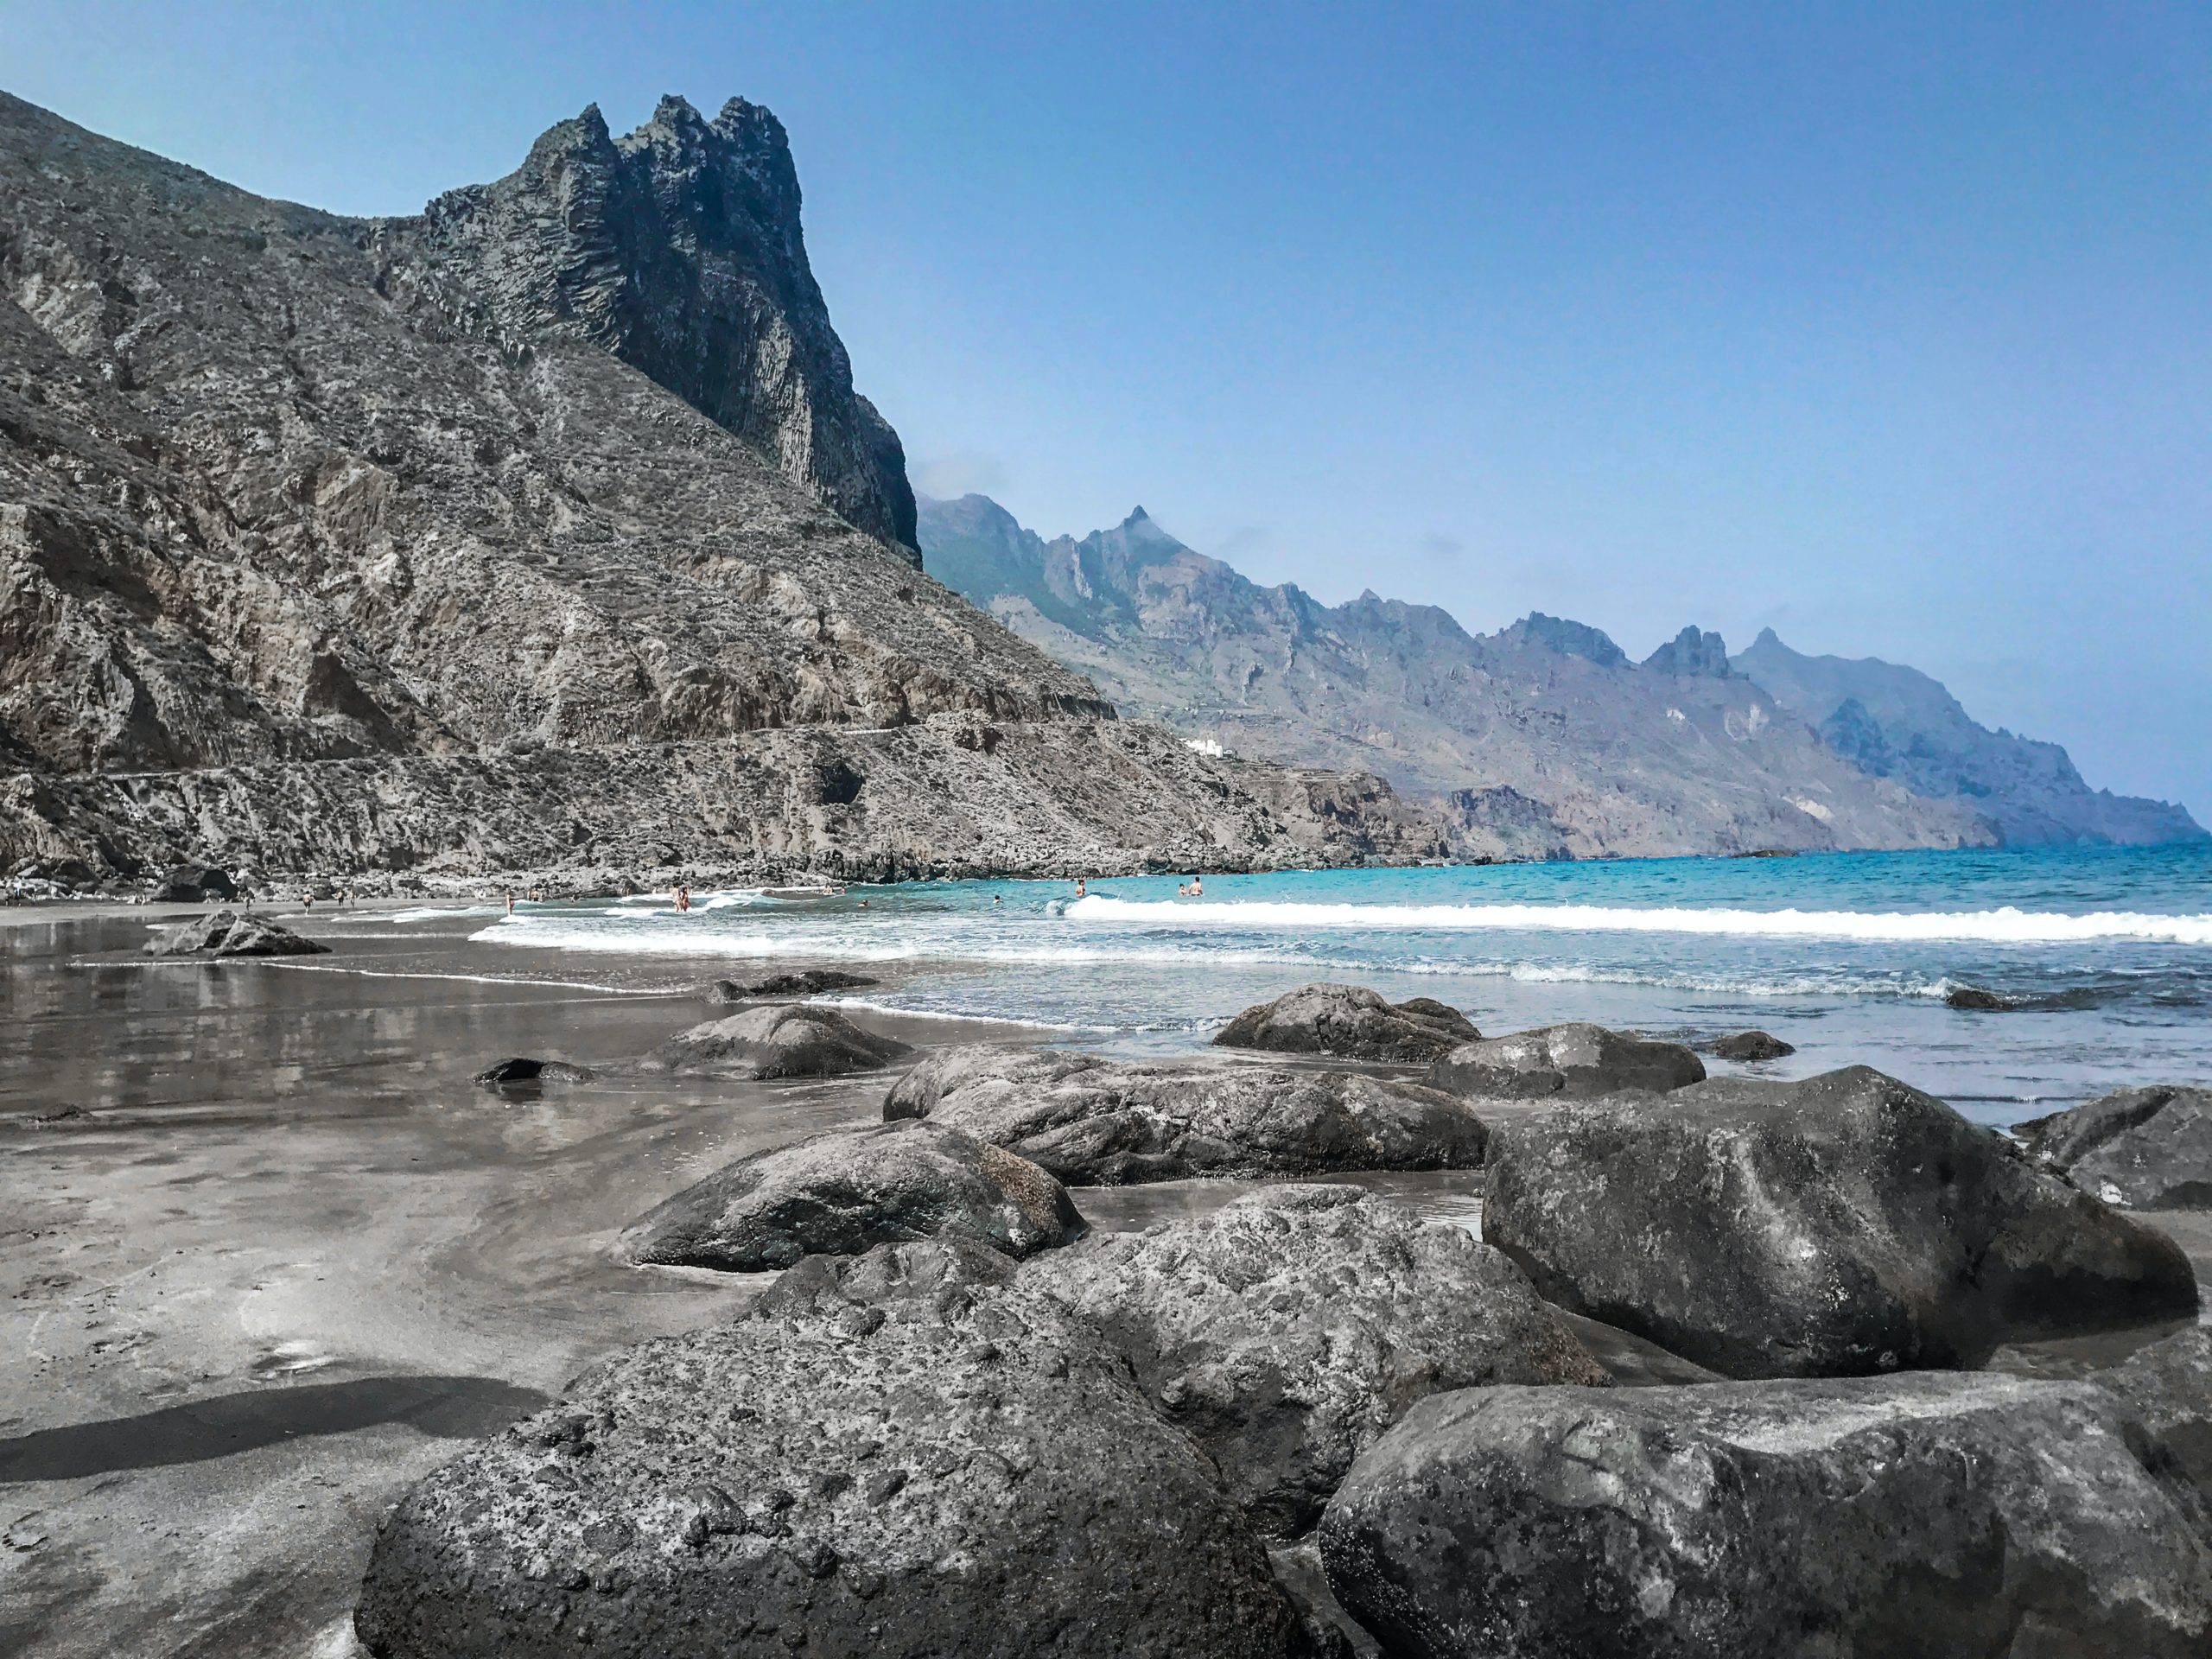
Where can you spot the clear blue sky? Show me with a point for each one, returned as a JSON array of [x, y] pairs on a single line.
[[1888, 326]]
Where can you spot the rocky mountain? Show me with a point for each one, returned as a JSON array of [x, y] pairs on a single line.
[[1543, 739], [1893, 721], [543, 527]]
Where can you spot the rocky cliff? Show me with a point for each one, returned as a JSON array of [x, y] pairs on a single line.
[[308, 514], [1543, 739], [1893, 721]]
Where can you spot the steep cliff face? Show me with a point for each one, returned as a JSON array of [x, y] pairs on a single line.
[[1543, 739], [677, 248], [1894, 721]]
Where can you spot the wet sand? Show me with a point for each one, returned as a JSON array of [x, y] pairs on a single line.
[[270, 1255]]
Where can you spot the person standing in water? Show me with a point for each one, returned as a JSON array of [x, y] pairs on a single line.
[[1079, 887], [1198, 886]]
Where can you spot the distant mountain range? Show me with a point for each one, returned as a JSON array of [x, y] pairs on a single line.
[[1544, 739]]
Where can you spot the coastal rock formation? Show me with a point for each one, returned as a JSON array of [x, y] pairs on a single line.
[[2148, 1148], [678, 248], [1349, 1022], [524, 1072], [189, 883], [1749, 1045], [2167, 1388], [1842, 1225], [226, 933], [1571, 1061], [1840, 1520], [744, 1490], [1896, 722], [1094, 1122], [808, 981], [1543, 739], [1288, 1330], [792, 1040], [849, 1191]]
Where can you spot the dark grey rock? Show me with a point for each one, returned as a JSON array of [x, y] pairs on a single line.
[[1924, 1514], [524, 1071], [227, 933], [850, 1190], [1973, 999], [1749, 1045], [2167, 1388], [1288, 1330], [1572, 1061], [2148, 1149], [1094, 1122], [809, 982], [1842, 1225], [1349, 1022], [940, 1465], [192, 884], [798, 1039]]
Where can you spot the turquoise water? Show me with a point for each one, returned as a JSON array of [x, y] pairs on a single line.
[[2106, 954]]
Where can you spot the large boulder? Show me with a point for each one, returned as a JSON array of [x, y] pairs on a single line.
[[1842, 1225], [807, 982], [2167, 1387], [227, 933], [2148, 1148], [1570, 1061], [795, 1039], [851, 1190], [939, 1464], [1351, 1023], [1749, 1045], [1094, 1122], [1925, 1514], [1288, 1330]]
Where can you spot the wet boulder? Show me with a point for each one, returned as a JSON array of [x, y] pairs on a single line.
[[1862, 1519], [1349, 1022], [2148, 1148], [2167, 1388], [1841, 1226], [1288, 1330], [793, 1040], [1569, 1062], [228, 933], [809, 982], [1749, 1045], [850, 1190], [1095, 1121], [939, 1466], [1972, 999], [524, 1072]]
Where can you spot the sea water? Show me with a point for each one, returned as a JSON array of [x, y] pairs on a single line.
[[2104, 954]]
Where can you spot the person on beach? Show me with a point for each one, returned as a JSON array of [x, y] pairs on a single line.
[[511, 901]]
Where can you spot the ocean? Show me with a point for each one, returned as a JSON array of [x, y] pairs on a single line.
[[2103, 955]]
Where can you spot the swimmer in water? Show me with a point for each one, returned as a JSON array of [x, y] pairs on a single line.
[[1079, 887], [1198, 886]]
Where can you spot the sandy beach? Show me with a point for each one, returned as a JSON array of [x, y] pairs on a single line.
[[271, 1255]]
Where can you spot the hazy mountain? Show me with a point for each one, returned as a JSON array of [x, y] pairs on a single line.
[[542, 527], [1544, 736], [1893, 721]]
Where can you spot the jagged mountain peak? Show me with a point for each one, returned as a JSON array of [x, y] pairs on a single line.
[[1567, 639], [1692, 652]]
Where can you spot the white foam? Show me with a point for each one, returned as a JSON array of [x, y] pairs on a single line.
[[2007, 926]]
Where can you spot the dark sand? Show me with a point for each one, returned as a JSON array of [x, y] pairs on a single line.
[[269, 1255]]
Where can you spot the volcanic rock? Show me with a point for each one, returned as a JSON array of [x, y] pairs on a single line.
[[2167, 1388], [850, 1190], [1349, 1022], [1286, 1331], [1842, 1225], [1749, 1045], [193, 884], [808, 981], [523, 1071], [1570, 1060], [1974, 1000], [227, 933], [967, 1470], [1094, 1122], [1864, 1519], [2148, 1148], [796, 1040]]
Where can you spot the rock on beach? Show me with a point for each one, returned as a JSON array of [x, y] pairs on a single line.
[[796, 1040], [1571, 1061], [1349, 1022]]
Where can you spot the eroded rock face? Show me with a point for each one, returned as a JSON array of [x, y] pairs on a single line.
[[849, 1191], [796, 1040], [943, 1467], [227, 933], [1842, 1225], [194, 883], [1349, 1022], [1571, 1061], [2148, 1148], [1093, 1122], [1289, 1329], [1925, 1514]]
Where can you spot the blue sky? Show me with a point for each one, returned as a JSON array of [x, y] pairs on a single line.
[[1890, 326]]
